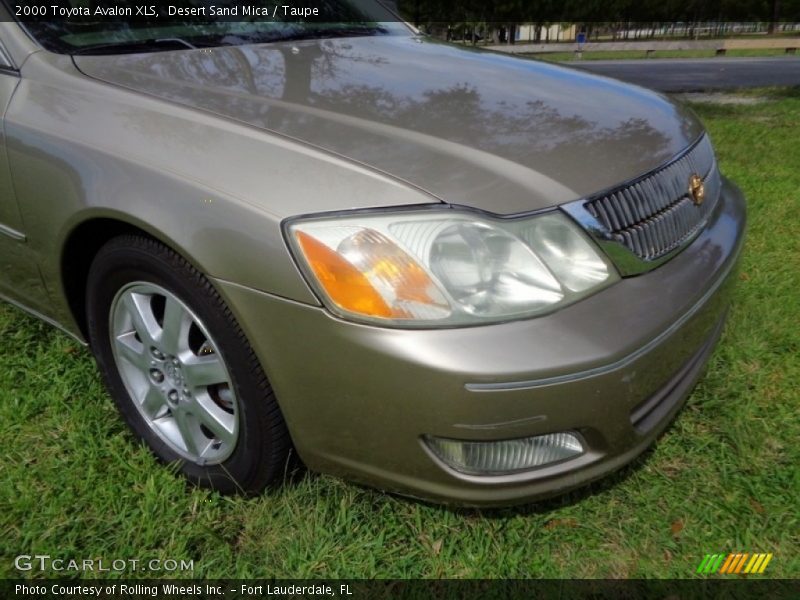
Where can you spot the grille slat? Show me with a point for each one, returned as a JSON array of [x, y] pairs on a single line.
[[601, 212], [626, 208], [650, 190], [612, 214], [634, 206], [672, 225], [655, 215]]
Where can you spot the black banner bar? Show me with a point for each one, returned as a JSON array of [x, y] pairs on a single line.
[[541, 12], [728, 589]]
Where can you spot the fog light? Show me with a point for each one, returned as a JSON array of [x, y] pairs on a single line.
[[506, 456]]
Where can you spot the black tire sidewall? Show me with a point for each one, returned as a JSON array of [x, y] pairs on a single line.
[[122, 262]]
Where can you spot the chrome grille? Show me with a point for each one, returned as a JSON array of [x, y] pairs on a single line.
[[655, 215]]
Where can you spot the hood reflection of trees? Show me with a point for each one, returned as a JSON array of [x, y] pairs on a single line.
[[274, 85]]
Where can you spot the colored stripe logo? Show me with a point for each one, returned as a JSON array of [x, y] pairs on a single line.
[[733, 563]]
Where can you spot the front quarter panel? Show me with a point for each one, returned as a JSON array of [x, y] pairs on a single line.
[[214, 190]]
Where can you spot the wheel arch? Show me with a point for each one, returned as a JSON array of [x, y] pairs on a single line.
[[80, 247]]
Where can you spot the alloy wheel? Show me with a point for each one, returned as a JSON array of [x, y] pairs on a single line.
[[174, 373]]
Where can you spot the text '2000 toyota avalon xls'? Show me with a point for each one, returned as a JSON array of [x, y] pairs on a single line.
[[448, 273]]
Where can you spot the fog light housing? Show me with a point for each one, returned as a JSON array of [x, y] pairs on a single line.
[[505, 456]]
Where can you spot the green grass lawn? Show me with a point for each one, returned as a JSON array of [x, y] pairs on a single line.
[[629, 54], [724, 477]]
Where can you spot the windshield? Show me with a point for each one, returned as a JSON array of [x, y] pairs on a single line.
[[202, 23]]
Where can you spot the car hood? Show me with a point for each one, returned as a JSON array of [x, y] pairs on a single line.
[[495, 132]]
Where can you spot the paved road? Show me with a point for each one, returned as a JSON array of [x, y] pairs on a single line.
[[699, 74]]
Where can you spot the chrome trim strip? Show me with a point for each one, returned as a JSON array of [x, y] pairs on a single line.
[[12, 233], [621, 363]]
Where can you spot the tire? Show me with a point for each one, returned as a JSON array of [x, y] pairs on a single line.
[[180, 369]]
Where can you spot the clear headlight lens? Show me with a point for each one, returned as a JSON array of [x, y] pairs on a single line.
[[444, 268]]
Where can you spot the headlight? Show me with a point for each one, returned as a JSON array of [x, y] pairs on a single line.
[[446, 267]]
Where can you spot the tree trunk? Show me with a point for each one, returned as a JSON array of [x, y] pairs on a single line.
[[776, 15]]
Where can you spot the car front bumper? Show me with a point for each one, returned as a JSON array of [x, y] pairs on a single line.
[[615, 367]]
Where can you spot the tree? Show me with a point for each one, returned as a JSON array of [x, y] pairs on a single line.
[[776, 13]]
